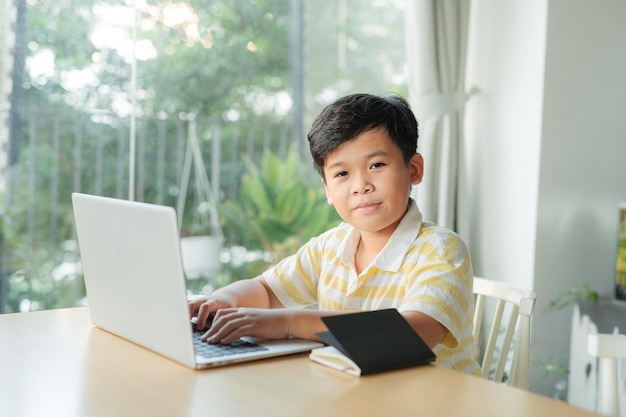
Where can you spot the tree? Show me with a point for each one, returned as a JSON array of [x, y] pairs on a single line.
[[75, 107], [360, 49], [219, 56]]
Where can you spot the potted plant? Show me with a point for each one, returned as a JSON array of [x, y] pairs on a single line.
[[280, 206]]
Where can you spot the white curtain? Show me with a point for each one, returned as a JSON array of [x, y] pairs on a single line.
[[436, 40]]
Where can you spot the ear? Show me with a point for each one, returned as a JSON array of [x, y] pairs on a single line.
[[328, 197], [416, 168]]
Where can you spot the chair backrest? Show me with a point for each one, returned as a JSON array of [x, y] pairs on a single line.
[[512, 315], [608, 348]]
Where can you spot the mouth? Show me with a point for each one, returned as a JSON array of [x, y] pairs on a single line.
[[366, 206]]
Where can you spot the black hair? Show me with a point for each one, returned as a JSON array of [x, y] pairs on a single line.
[[349, 116]]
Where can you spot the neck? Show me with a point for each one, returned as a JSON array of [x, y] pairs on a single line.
[[368, 248]]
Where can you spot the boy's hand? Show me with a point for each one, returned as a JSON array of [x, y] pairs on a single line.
[[205, 307], [229, 324]]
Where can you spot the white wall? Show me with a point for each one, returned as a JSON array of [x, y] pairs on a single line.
[[504, 134], [549, 151], [583, 157]]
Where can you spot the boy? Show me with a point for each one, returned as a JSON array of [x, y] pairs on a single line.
[[382, 256]]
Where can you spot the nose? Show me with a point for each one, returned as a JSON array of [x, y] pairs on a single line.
[[361, 184]]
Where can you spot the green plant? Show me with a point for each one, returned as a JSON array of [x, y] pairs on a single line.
[[279, 206], [7, 235], [554, 365], [566, 298], [49, 280], [40, 270], [4, 226]]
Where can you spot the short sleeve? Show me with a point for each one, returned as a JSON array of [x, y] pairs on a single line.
[[440, 283], [294, 279]]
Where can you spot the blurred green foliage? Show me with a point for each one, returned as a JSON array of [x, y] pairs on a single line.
[[281, 205], [566, 298], [227, 62]]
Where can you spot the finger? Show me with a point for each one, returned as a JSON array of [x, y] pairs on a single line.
[[235, 334], [232, 331], [194, 306], [226, 327], [205, 311], [217, 322]]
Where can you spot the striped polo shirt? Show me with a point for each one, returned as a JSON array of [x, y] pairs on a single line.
[[423, 267]]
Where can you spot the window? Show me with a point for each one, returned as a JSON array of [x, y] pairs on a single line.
[[95, 96]]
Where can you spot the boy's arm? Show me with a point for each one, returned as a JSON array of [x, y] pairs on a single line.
[[274, 321], [250, 308], [301, 323], [230, 324], [306, 323], [280, 323], [429, 329]]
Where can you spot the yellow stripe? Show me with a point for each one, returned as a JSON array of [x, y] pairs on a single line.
[[326, 303], [289, 287], [450, 249], [453, 290], [464, 365], [376, 292], [438, 303], [310, 285]]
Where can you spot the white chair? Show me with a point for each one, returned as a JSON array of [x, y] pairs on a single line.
[[512, 315], [608, 348]]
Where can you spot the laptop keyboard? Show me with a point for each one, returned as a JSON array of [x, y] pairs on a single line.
[[209, 350]]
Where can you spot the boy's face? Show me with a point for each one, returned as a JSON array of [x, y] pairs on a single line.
[[368, 182]]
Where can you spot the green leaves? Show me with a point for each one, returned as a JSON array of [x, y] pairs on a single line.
[[566, 298], [555, 365], [281, 205]]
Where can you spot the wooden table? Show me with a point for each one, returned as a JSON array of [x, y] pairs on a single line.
[[55, 363]]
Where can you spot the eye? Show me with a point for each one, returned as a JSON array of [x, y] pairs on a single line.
[[378, 165], [341, 174]]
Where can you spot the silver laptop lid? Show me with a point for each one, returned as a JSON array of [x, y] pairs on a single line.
[[133, 273]]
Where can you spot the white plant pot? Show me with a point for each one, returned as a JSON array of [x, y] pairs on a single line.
[[201, 256]]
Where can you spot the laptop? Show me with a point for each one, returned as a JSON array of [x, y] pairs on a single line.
[[136, 287]]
